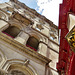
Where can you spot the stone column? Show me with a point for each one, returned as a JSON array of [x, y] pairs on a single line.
[[45, 31], [42, 48], [34, 25], [3, 25], [22, 37]]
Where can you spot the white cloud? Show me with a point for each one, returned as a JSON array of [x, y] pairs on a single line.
[[50, 9], [2, 1]]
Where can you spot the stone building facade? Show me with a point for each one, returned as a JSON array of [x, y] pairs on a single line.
[[28, 41]]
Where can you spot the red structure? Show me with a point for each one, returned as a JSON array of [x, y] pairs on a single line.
[[66, 63]]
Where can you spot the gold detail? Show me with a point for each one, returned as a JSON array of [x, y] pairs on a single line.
[[73, 44], [74, 29], [71, 38]]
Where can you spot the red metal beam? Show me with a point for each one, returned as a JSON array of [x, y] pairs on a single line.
[[66, 57]]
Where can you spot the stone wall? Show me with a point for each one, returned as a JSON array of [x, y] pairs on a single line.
[[31, 24]]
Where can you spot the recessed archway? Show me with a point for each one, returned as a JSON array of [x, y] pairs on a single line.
[[12, 31], [33, 43], [19, 66]]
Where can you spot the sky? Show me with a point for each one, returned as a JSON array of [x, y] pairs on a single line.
[[48, 8]]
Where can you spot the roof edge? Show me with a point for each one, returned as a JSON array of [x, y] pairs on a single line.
[[35, 13]]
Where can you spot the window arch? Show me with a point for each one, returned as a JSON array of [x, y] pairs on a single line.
[[14, 67], [2, 15], [12, 31], [33, 43]]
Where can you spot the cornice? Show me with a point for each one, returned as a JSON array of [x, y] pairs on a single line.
[[46, 36], [37, 31], [35, 13], [17, 13]]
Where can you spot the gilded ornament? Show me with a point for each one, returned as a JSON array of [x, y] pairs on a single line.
[[71, 39]]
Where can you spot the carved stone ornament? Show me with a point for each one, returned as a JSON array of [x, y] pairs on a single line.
[[41, 21], [22, 19], [39, 26], [16, 6], [71, 38]]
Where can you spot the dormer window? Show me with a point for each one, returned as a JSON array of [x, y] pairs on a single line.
[[33, 43], [12, 31]]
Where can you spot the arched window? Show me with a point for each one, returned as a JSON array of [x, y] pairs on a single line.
[[33, 43], [12, 31], [19, 68]]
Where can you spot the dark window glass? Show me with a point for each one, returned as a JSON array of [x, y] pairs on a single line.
[[12, 31], [33, 43]]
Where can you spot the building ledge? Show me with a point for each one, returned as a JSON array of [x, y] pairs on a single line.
[[35, 13], [24, 48]]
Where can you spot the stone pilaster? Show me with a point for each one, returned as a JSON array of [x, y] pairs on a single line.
[[22, 37]]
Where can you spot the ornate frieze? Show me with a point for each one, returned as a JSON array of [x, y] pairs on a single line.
[[22, 19]]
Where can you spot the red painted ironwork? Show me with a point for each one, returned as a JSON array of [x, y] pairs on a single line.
[[7, 34], [72, 65], [31, 47], [66, 61]]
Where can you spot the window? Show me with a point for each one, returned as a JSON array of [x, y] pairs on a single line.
[[8, 10], [39, 27], [52, 36], [12, 31], [53, 30], [32, 43]]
